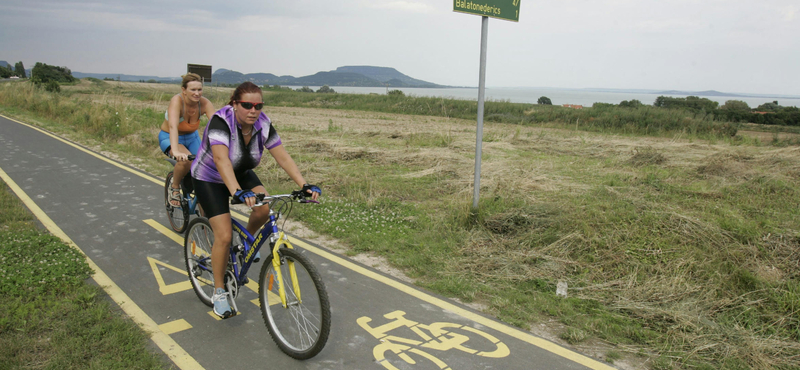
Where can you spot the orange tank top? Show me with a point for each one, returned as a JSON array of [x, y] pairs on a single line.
[[184, 125]]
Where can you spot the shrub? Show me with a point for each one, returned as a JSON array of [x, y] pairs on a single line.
[[396, 92], [52, 86], [633, 103], [6, 72], [43, 74], [544, 101], [326, 90]]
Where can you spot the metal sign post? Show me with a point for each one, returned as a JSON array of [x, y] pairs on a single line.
[[501, 9], [481, 94]]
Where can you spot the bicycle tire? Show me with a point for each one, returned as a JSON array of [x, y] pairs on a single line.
[[197, 251], [301, 329], [178, 216]]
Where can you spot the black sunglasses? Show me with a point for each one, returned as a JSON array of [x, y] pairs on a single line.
[[249, 105]]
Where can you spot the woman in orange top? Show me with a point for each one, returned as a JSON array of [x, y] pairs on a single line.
[[179, 137]]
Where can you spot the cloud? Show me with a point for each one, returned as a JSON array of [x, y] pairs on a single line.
[[99, 17], [404, 6], [789, 13]]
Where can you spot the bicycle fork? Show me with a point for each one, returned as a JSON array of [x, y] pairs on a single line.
[[278, 241]]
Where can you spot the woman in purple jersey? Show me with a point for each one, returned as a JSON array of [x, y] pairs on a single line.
[[233, 143]]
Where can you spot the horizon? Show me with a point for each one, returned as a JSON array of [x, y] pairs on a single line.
[[609, 89], [730, 46]]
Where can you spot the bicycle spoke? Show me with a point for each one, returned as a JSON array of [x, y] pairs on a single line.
[[301, 328], [197, 250]]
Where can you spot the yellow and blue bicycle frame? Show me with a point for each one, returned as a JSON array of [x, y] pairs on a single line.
[[251, 246]]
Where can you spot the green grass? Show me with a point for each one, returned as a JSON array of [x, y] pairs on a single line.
[[50, 318], [678, 243]]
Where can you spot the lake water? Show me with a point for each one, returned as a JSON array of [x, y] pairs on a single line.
[[558, 96]]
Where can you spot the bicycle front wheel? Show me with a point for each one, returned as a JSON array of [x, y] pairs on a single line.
[[178, 216], [197, 249], [301, 328]]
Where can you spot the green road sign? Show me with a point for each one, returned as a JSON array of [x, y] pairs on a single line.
[[501, 9]]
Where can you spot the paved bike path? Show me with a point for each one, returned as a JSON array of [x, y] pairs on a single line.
[[115, 215]]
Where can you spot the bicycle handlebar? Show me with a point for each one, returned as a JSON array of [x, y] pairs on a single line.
[[174, 161], [262, 199]]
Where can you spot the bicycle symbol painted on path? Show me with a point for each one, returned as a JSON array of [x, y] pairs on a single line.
[[440, 336]]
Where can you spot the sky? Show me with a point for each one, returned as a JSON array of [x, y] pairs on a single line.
[[734, 46]]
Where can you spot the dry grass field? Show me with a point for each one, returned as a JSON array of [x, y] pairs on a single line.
[[679, 252]]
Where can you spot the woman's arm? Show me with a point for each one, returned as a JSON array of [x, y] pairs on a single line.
[[174, 113], [287, 163], [225, 169]]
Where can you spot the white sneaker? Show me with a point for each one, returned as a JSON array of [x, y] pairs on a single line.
[[221, 306]]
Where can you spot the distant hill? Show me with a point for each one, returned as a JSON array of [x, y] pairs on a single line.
[[337, 79], [697, 93], [386, 75], [3, 63], [365, 76]]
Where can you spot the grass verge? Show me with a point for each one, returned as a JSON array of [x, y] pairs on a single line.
[[50, 318]]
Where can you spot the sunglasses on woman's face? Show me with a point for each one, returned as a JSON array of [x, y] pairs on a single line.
[[249, 105]]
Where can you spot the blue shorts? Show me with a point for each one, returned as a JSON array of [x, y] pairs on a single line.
[[190, 141]]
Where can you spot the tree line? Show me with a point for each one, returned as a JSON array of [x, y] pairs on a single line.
[[18, 71], [770, 113]]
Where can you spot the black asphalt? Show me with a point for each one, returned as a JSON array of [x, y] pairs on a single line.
[[104, 207]]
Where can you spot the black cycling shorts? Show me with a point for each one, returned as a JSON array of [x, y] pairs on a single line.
[[215, 198]]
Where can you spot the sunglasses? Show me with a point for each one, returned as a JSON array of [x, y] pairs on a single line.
[[249, 105]]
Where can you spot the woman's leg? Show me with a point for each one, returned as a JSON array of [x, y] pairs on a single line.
[[259, 215], [181, 169], [220, 252]]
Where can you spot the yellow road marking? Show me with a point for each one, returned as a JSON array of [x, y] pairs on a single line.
[[91, 153], [171, 348], [164, 230], [513, 332], [173, 327], [186, 285], [164, 288]]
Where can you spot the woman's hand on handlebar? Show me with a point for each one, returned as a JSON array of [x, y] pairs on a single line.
[[245, 196], [181, 155], [312, 191]]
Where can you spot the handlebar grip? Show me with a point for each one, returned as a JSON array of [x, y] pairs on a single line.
[[259, 199]]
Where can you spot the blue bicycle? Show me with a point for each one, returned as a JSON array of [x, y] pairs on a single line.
[[292, 296], [179, 216]]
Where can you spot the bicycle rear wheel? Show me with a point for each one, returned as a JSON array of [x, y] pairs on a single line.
[[301, 328], [197, 249], [178, 216]]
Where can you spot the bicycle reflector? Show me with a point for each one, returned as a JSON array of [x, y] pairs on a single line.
[[194, 245], [271, 280]]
